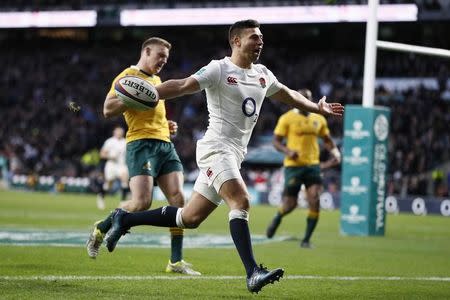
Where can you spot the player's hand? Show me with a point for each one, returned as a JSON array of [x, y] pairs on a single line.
[[173, 126], [330, 109], [292, 154], [328, 164]]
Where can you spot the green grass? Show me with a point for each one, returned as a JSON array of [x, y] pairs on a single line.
[[412, 247]]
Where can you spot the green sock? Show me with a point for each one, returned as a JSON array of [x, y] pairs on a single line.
[[105, 225], [177, 248]]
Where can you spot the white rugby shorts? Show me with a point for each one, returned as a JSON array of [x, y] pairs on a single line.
[[216, 168]]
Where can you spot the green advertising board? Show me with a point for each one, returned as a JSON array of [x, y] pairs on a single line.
[[364, 166]]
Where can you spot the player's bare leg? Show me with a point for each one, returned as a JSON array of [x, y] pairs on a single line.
[[289, 203], [235, 194], [124, 184], [141, 187], [107, 185]]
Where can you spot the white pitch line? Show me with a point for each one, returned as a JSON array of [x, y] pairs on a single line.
[[289, 277]]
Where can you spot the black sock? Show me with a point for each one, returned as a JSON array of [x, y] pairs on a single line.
[[277, 218], [241, 237], [162, 217], [124, 193], [311, 223], [102, 192], [105, 225]]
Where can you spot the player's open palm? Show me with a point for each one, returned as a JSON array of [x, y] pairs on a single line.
[[330, 109]]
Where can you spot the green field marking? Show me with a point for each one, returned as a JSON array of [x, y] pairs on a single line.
[[75, 239]]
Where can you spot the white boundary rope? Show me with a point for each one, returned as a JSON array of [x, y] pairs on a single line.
[[289, 277]]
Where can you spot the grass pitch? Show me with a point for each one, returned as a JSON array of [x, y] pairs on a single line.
[[412, 261]]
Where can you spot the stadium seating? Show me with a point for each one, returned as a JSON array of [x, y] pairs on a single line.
[[41, 135]]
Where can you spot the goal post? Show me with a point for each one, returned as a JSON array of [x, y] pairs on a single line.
[[366, 130]]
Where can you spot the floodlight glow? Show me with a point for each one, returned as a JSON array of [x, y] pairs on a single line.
[[45, 19], [265, 15]]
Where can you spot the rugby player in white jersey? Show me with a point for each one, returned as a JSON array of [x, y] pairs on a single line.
[[114, 151], [235, 89]]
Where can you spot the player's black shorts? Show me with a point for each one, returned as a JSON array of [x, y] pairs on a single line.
[[294, 177]]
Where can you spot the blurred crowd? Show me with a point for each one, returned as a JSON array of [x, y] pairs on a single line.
[[43, 134]]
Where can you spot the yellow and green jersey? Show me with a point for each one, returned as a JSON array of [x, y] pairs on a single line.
[[301, 133], [149, 124]]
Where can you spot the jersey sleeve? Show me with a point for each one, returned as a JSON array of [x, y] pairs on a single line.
[[274, 84], [208, 76], [282, 127]]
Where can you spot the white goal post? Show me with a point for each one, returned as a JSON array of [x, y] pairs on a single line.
[[370, 57], [412, 48]]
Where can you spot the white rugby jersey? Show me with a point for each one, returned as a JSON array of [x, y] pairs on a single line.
[[234, 98], [116, 149]]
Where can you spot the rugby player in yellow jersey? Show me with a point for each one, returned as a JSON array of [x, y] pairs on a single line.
[[301, 131], [150, 155]]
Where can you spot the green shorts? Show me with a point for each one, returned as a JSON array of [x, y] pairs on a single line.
[[294, 177], [152, 157]]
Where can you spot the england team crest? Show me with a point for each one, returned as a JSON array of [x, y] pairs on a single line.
[[262, 82]]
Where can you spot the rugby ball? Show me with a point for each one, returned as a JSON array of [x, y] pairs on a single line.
[[136, 92]]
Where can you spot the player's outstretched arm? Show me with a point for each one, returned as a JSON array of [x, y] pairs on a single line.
[[177, 87], [297, 100], [113, 106]]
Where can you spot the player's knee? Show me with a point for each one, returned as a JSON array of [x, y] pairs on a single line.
[[186, 219], [240, 202], [192, 222], [140, 205]]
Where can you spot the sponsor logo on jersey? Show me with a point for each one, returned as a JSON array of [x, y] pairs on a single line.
[[232, 80], [209, 172]]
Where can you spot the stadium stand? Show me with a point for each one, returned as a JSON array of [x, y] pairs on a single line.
[[47, 70]]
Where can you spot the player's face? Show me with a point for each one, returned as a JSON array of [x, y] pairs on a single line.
[[156, 58], [118, 132], [251, 40]]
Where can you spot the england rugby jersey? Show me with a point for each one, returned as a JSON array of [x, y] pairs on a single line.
[[116, 149], [234, 98]]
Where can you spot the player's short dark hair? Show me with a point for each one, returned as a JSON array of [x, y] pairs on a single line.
[[306, 93], [237, 27], [156, 41]]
